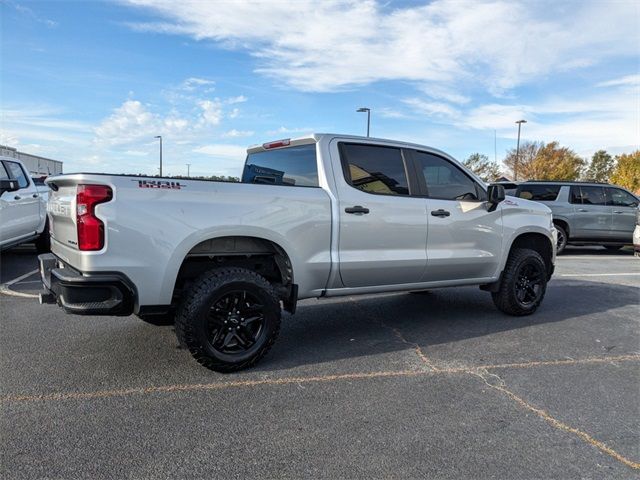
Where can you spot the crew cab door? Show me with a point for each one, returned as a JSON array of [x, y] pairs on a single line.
[[19, 210], [464, 238], [592, 215], [383, 231]]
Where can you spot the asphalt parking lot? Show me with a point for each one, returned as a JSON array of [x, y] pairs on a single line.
[[402, 385]]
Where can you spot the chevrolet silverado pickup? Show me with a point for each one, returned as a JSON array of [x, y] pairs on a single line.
[[318, 216]]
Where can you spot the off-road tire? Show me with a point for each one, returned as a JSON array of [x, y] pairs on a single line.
[[562, 239], [505, 298], [191, 322]]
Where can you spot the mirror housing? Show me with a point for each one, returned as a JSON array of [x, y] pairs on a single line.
[[8, 186], [495, 195]]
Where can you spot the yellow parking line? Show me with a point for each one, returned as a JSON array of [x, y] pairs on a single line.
[[206, 386], [564, 427]]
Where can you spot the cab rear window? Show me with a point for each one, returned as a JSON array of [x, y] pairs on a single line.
[[538, 193], [292, 166]]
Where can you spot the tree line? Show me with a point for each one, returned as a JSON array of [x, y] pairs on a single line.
[[550, 161]]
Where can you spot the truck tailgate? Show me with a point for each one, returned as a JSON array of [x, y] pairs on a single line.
[[61, 208]]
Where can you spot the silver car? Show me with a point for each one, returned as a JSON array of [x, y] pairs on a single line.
[[586, 213]]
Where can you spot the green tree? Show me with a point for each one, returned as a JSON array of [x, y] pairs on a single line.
[[600, 168], [527, 154], [554, 162], [483, 167], [626, 173]]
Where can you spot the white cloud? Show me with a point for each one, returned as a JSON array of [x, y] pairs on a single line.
[[433, 109], [628, 80], [211, 112], [129, 122], [193, 83], [238, 99], [224, 150], [233, 133], [329, 45]]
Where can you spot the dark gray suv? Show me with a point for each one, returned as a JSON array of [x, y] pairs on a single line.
[[586, 213]]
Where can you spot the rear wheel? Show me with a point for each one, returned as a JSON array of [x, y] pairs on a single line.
[[523, 285], [562, 238], [229, 319]]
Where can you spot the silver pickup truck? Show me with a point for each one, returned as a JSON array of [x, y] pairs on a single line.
[[318, 216]]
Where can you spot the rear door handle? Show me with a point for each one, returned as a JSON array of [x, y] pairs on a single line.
[[35, 195], [358, 210], [582, 210], [617, 211], [440, 213], [17, 197]]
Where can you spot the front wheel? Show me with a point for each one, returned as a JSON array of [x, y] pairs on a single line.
[[229, 319], [562, 239], [523, 285]]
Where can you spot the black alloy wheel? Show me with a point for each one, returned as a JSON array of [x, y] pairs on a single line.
[[236, 321], [529, 283]]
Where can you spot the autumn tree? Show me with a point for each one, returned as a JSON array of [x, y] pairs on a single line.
[[483, 167], [539, 161], [600, 167], [528, 153], [554, 162], [626, 173]]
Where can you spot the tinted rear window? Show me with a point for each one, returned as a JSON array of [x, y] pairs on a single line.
[[539, 193], [374, 169], [292, 166]]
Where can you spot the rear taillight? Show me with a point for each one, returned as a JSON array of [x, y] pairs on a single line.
[[90, 227]]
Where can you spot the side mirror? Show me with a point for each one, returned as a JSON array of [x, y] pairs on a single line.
[[495, 195], [8, 186]]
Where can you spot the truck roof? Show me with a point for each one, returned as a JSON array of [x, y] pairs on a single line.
[[315, 137]]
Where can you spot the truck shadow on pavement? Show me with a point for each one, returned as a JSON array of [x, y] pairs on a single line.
[[460, 325]]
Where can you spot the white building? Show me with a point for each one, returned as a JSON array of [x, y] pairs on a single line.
[[37, 166]]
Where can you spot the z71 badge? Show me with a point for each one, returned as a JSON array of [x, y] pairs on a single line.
[[163, 184]]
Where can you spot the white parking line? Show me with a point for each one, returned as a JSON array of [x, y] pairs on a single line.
[[4, 288]]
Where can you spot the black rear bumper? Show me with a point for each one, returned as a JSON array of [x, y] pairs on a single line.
[[103, 293]]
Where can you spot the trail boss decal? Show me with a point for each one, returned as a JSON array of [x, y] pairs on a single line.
[[162, 184]]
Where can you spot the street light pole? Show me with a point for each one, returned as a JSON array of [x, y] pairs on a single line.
[[188, 168], [515, 164], [160, 137], [368, 110]]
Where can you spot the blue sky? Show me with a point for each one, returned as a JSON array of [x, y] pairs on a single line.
[[91, 83]]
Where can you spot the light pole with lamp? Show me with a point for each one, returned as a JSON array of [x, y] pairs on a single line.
[[188, 168], [368, 110], [515, 165], [160, 137]]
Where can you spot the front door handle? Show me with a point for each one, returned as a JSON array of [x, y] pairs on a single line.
[[440, 213], [35, 195], [617, 211], [358, 210], [17, 197], [583, 210]]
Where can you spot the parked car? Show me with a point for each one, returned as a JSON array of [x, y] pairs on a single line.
[[23, 207], [586, 213], [318, 216], [636, 235]]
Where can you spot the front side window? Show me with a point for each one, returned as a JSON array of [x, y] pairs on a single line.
[[444, 180], [291, 166], [374, 169], [15, 171], [620, 198], [588, 195], [539, 193]]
